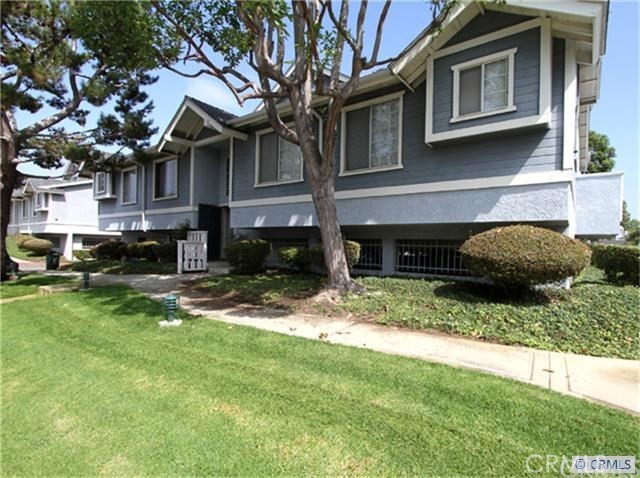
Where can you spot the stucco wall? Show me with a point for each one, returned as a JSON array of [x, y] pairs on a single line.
[[533, 203], [598, 204]]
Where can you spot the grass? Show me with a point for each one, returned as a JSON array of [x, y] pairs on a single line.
[[594, 318], [28, 285], [118, 267], [114, 394], [17, 253]]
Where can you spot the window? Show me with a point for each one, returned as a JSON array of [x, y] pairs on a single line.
[[370, 254], [279, 161], [372, 136], [101, 183], [41, 201], [24, 208], [430, 257], [484, 86], [165, 179], [89, 242], [129, 180]]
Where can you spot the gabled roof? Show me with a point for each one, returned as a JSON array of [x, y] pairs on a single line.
[[194, 116], [582, 20]]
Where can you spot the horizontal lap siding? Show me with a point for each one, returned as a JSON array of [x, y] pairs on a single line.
[[488, 22], [527, 151]]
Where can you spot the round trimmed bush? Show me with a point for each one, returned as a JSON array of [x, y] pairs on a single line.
[[109, 250], [20, 239], [523, 256], [621, 264], [82, 255], [351, 250], [167, 251], [38, 247], [248, 255], [296, 257]]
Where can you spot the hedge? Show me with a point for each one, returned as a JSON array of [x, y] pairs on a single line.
[[351, 249], [621, 264], [82, 254], [296, 257], [523, 256], [166, 251], [110, 250], [247, 256], [37, 246], [142, 250]]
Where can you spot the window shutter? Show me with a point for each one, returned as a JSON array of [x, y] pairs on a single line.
[[357, 140], [268, 158]]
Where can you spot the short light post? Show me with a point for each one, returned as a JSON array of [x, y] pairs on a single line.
[[86, 281], [171, 305]]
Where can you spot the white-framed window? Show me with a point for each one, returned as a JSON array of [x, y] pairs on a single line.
[[165, 178], [129, 185], [278, 160], [41, 201], [484, 86], [89, 242], [371, 136], [100, 183], [24, 208]]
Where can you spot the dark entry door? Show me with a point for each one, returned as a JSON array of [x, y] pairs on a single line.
[[209, 219]]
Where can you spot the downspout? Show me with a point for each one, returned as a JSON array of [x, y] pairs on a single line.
[[143, 201]]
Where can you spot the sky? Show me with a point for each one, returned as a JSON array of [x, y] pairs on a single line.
[[616, 113]]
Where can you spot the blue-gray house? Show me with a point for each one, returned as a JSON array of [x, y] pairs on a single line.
[[484, 123]]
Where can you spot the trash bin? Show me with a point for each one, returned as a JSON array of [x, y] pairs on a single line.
[[53, 260]]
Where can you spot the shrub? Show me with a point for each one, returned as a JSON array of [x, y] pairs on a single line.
[[296, 257], [110, 250], [20, 239], [166, 251], [247, 256], [142, 250], [351, 249], [38, 247], [82, 254], [522, 256], [621, 264]]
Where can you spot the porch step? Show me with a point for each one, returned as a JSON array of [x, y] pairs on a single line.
[[218, 267]]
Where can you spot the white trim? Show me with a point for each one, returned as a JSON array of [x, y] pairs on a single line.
[[508, 55], [398, 95], [491, 128], [546, 73], [231, 161], [489, 37], [122, 171], [153, 178], [439, 186], [192, 162], [150, 212], [570, 105], [257, 183]]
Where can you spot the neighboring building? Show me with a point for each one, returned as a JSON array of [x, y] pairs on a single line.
[[60, 210], [483, 124]]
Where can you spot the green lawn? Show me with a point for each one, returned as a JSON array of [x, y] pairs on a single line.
[[593, 318], [92, 385], [28, 285], [17, 253], [118, 267]]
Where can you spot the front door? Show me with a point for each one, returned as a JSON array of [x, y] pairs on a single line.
[[209, 219]]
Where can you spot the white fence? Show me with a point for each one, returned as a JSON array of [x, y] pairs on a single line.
[[192, 253]]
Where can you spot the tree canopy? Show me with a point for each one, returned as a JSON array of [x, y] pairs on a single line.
[[602, 153]]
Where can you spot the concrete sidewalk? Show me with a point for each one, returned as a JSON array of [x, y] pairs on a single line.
[[614, 382]]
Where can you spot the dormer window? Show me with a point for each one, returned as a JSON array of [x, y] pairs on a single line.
[[483, 86], [41, 202], [103, 185]]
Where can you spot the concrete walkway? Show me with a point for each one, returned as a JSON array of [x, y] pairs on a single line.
[[614, 382]]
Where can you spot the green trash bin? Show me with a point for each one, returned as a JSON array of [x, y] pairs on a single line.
[[53, 260]]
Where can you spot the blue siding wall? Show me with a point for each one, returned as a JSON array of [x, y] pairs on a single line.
[[532, 150], [184, 179], [527, 79], [487, 23]]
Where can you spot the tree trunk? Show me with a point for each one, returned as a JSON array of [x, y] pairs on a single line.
[[9, 174]]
